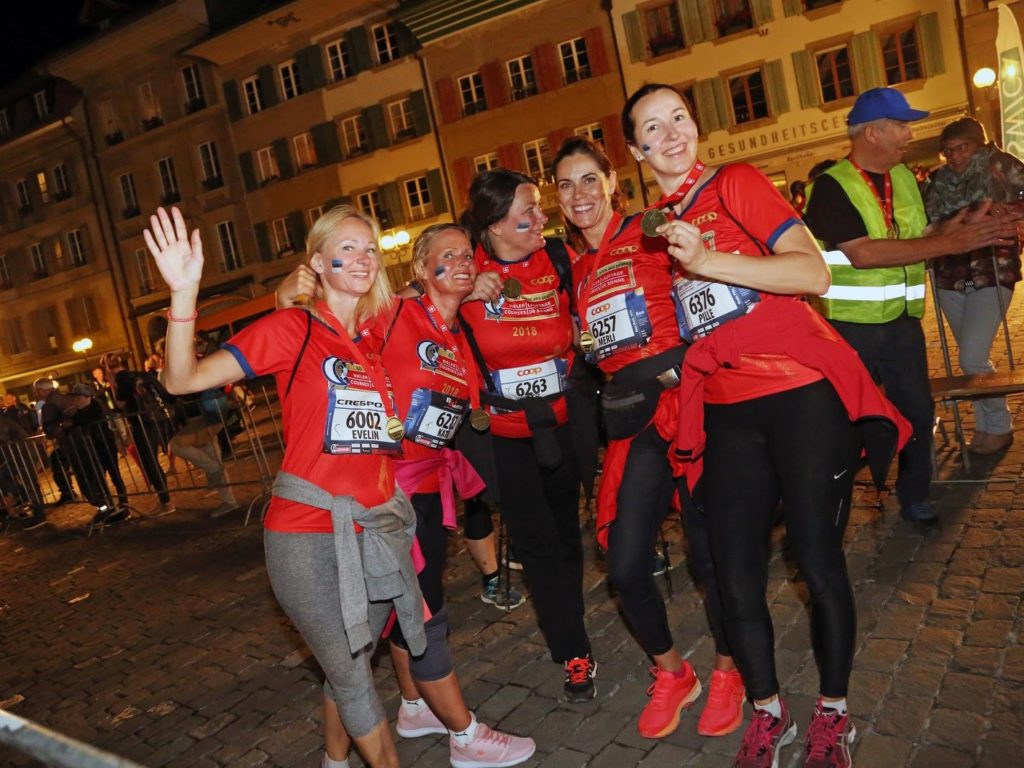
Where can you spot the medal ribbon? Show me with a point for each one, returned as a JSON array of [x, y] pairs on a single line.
[[375, 372], [472, 377], [886, 204], [670, 201]]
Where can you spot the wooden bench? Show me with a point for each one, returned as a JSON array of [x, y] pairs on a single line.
[[978, 385]]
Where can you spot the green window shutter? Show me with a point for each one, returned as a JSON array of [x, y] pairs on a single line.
[[359, 49], [806, 79], [232, 100], [296, 222], [435, 185], [309, 61], [792, 7], [284, 158], [406, 41], [761, 11], [709, 101], [420, 116], [263, 247], [694, 30], [929, 44], [326, 144], [866, 59], [376, 127], [248, 171], [634, 37], [391, 202], [268, 85], [775, 88]]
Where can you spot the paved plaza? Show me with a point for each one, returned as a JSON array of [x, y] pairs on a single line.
[[160, 641]]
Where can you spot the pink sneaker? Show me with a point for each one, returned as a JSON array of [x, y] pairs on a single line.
[[491, 749], [764, 737], [418, 721]]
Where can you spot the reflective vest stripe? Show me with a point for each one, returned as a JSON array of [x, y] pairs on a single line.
[[875, 292]]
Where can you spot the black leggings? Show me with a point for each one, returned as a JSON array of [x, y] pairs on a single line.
[[798, 446], [644, 499]]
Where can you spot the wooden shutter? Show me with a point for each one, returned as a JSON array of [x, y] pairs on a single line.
[[420, 117], [391, 201], [634, 36], [866, 61], [775, 88], [245, 162], [406, 40], [697, 23], [296, 222], [358, 43], [326, 143], [545, 68], [376, 126], [556, 137], [711, 103], [268, 85], [263, 246], [761, 12], [447, 99], [511, 156], [284, 158], [792, 7], [435, 185], [232, 100], [309, 62], [806, 79], [597, 54], [929, 44], [496, 86], [614, 140], [462, 177]]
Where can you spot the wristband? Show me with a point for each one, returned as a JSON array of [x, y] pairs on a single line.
[[188, 319]]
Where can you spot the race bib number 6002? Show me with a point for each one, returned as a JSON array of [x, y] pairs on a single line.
[[356, 423]]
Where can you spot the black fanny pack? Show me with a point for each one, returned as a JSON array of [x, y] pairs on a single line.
[[540, 418], [630, 399]]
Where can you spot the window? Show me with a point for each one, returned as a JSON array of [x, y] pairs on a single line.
[[168, 181], [42, 104], [733, 16], [471, 89], [14, 336], [315, 213], [61, 184], [521, 77], [338, 60], [5, 122], [253, 94], [282, 238], [112, 133], [76, 247], [369, 203], [748, 97], [145, 267], [575, 64], [538, 157], [44, 187], [354, 133], [593, 131], [38, 259], [663, 28], [24, 201], [5, 274], [834, 74], [305, 153], [193, 85], [485, 162], [82, 314], [148, 107], [209, 159], [417, 197], [385, 42], [128, 197], [290, 85], [266, 160], [400, 115], [58, 250], [231, 258], [901, 56]]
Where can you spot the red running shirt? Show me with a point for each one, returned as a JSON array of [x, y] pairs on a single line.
[[525, 342], [271, 346]]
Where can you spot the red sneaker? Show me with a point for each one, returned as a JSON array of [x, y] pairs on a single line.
[[723, 711], [670, 694], [828, 740], [765, 736]]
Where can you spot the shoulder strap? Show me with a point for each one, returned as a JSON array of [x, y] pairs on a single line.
[[477, 354], [391, 325], [302, 350], [763, 247], [559, 256]]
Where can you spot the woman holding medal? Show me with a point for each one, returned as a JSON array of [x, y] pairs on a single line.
[[337, 532], [628, 324], [523, 343], [768, 398]]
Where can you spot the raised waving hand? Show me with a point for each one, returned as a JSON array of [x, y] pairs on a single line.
[[178, 256]]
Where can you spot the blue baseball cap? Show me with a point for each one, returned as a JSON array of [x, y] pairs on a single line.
[[879, 103]]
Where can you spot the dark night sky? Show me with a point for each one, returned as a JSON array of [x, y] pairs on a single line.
[[33, 30]]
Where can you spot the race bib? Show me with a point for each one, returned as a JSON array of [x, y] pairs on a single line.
[[533, 380], [433, 418], [356, 417], [617, 313], [702, 305]]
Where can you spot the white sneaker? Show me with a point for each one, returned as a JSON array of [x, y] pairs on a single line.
[[491, 749]]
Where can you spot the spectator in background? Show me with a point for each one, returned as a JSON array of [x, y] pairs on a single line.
[[798, 196], [94, 441], [18, 472], [975, 288], [21, 413], [50, 414], [819, 168]]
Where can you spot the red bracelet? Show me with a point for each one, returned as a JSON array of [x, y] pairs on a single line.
[[188, 319]]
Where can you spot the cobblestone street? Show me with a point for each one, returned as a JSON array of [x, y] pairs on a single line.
[[159, 640]]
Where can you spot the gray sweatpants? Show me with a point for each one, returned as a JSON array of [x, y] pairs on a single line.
[[303, 573]]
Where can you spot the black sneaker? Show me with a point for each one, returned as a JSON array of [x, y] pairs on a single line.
[[579, 679], [920, 512]]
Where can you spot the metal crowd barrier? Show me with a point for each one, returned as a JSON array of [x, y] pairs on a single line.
[[53, 748], [122, 458]]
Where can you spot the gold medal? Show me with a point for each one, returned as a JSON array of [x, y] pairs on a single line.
[[891, 233], [587, 342], [479, 419], [512, 288], [394, 428], [653, 219]]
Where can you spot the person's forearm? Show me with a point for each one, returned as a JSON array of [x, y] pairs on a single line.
[[788, 273], [179, 356]]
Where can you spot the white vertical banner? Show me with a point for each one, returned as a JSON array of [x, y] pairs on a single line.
[[1011, 82]]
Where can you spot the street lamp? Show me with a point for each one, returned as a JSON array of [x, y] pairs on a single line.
[[82, 347], [984, 78], [395, 245]]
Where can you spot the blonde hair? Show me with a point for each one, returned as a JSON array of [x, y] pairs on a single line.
[[421, 248], [380, 296]]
